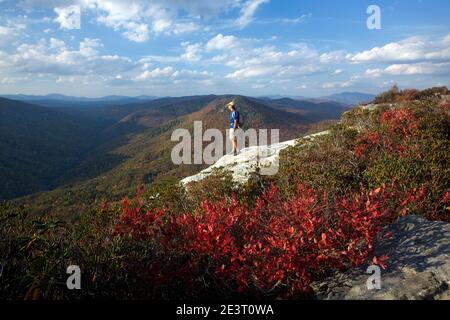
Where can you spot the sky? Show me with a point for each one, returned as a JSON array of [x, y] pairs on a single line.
[[310, 48]]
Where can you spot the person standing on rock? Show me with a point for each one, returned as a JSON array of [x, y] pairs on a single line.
[[234, 125]]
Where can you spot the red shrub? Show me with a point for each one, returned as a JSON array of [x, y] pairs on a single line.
[[400, 120], [137, 222], [278, 247], [396, 128]]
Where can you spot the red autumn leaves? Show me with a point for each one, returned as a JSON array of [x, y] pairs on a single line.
[[276, 246], [395, 128]]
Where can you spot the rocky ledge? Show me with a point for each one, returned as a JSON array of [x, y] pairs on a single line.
[[418, 267], [249, 160]]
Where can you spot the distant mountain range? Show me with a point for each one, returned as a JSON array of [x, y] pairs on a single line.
[[59, 100], [61, 97], [350, 98], [344, 98], [68, 153]]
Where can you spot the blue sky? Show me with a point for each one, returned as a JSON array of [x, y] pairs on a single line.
[[251, 47]]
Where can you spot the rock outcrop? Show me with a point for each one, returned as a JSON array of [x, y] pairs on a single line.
[[249, 159], [418, 267]]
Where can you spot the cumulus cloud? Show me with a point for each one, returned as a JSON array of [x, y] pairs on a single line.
[[138, 19], [411, 69], [237, 62], [69, 17], [412, 56], [156, 73], [6, 34], [172, 74], [137, 32], [221, 42], [413, 49], [54, 58], [249, 60], [250, 72], [185, 74], [192, 51], [10, 32]]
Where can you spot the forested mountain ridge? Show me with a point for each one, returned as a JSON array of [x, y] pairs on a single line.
[[38, 145]]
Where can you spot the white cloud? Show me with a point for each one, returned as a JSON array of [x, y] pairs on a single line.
[[248, 10], [425, 68], [156, 73], [10, 32], [192, 51], [329, 85], [57, 44], [119, 15], [136, 32], [221, 42], [184, 27], [54, 58], [137, 19], [191, 74], [414, 49], [12, 80], [333, 57], [285, 21], [4, 31], [268, 62], [69, 17], [250, 72], [7, 34], [169, 73]]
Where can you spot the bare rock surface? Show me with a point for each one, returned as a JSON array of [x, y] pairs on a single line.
[[249, 160], [418, 267]]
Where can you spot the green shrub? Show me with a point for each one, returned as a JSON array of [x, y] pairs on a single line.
[[35, 253], [327, 163]]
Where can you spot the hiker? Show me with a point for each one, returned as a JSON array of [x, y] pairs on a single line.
[[234, 125]]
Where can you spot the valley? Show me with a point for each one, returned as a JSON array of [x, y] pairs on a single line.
[[63, 155]]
